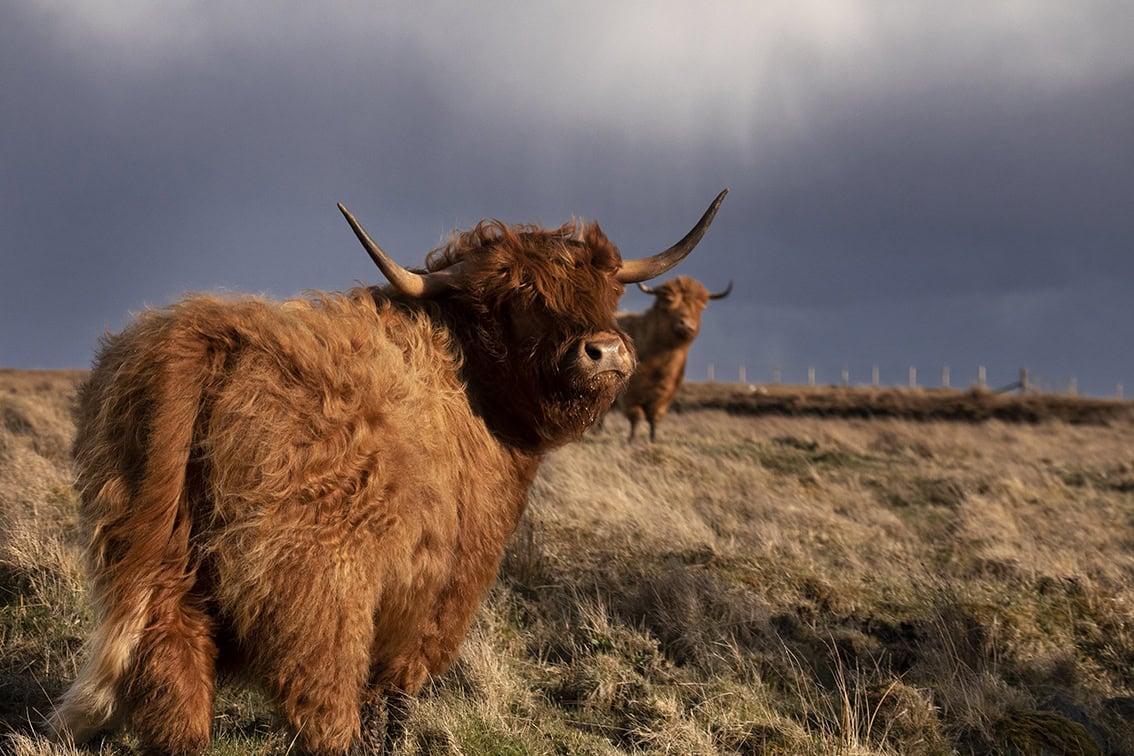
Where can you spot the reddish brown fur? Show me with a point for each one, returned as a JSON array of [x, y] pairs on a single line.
[[316, 494], [662, 336]]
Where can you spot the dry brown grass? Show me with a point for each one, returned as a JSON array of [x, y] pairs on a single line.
[[754, 583]]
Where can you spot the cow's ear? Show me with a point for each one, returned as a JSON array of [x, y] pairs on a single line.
[[604, 254]]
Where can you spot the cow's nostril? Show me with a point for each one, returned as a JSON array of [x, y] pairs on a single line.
[[602, 353]]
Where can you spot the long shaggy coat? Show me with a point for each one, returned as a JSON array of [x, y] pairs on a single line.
[[316, 493]]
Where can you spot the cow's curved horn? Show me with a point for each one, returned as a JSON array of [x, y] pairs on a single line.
[[722, 294], [645, 268], [415, 285], [647, 289]]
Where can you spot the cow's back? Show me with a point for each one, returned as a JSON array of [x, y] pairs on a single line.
[[341, 443], [332, 435]]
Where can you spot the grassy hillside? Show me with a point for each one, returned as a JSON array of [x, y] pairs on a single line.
[[756, 582]]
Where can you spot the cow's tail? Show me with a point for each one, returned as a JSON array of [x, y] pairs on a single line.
[[139, 553]]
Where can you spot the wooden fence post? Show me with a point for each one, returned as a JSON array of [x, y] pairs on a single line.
[[810, 376], [874, 377], [844, 376], [982, 377], [709, 372], [913, 377], [743, 375], [945, 377], [1024, 387]]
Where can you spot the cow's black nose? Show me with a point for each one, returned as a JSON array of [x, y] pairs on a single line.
[[602, 353]]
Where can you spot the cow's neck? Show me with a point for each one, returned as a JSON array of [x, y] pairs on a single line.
[[510, 413]]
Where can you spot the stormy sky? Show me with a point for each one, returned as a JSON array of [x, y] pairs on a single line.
[[915, 183]]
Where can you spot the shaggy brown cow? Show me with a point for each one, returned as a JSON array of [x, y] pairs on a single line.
[[662, 335], [316, 494]]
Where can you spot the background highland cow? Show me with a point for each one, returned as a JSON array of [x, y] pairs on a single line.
[[318, 493], [662, 335]]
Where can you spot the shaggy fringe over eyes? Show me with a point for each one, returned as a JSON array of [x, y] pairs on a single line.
[[683, 289], [571, 239], [564, 272], [493, 233]]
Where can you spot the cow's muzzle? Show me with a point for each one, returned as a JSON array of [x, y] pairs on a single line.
[[603, 353]]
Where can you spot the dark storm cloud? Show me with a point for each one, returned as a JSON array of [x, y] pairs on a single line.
[[923, 185], [913, 199]]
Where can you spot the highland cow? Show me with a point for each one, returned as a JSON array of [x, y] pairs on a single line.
[[662, 336], [314, 495]]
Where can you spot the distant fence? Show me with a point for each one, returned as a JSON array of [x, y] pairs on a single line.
[[1025, 384]]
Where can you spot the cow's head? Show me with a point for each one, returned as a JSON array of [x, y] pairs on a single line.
[[677, 309], [534, 312]]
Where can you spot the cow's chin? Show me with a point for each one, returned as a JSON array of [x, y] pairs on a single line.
[[583, 402], [604, 388]]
